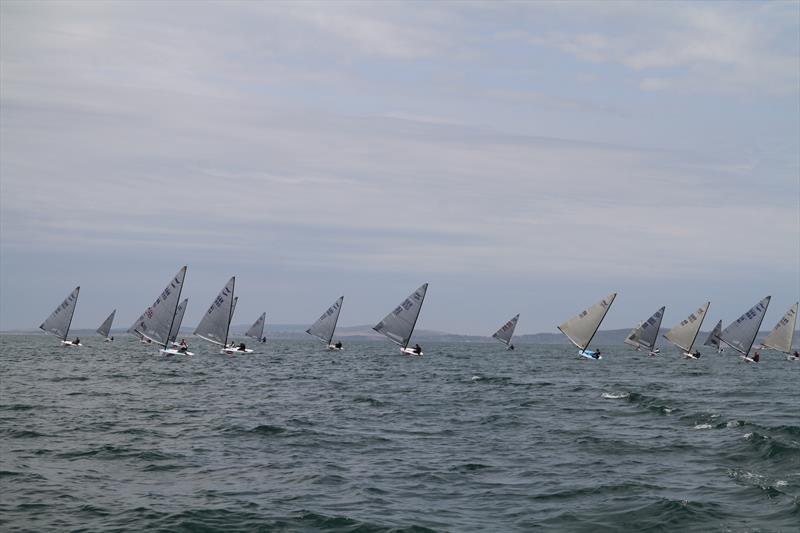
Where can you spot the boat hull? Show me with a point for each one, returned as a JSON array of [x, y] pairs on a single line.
[[410, 351], [173, 351], [70, 343], [590, 354]]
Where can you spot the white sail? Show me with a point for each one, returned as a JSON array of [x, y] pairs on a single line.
[[215, 323], [684, 334], [176, 324], [105, 327], [646, 333], [780, 338], [256, 331], [60, 320], [325, 326], [582, 328], [713, 337], [741, 334], [505, 333], [156, 322], [399, 324]]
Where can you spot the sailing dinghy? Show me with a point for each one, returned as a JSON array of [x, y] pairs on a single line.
[[60, 320], [256, 331], [398, 326], [215, 324], [505, 333], [781, 336], [105, 327], [644, 335], [684, 334], [157, 322], [176, 327], [713, 338], [741, 335], [581, 329], [325, 325]]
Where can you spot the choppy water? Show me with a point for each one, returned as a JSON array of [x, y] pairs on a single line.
[[467, 438]]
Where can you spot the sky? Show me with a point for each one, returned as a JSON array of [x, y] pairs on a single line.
[[521, 157]]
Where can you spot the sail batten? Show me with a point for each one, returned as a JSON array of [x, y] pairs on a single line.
[[741, 334], [256, 331], [398, 326], [645, 334], [157, 320], [325, 326], [582, 328], [781, 336], [215, 324], [684, 334], [60, 320], [506, 331]]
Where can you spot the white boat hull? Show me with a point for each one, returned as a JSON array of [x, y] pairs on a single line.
[[173, 351], [410, 351], [234, 351], [589, 354], [70, 343], [688, 355]]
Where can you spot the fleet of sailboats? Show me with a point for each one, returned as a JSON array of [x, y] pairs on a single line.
[[161, 322], [582, 328], [325, 326], [644, 336], [398, 326]]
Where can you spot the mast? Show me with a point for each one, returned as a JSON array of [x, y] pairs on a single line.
[[600, 321], [230, 313], [333, 329], [696, 333], [174, 312], [414, 325]]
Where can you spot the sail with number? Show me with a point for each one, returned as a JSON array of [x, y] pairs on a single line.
[[156, 322], [581, 329], [398, 325], [105, 327], [60, 320], [645, 334], [780, 338], [741, 334], [684, 334], [176, 324], [214, 325], [713, 337], [325, 326], [256, 331], [505, 333]]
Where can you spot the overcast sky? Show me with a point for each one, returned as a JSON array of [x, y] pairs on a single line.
[[521, 157]]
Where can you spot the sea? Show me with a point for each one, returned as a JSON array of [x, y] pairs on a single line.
[[469, 437]]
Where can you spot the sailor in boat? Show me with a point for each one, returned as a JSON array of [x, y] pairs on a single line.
[[183, 347], [756, 356], [510, 346], [77, 341], [338, 345], [242, 347], [263, 339], [696, 354], [111, 339], [596, 354], [418, 349]]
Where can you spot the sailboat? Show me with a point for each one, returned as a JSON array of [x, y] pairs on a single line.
[[505, 333], [176, 327], [741, 335], [256, 331], [398, 326], [157, 322], [713, 338], [215, 324], [644, 335], [60, 320], [781, 336], [684, 334], [581, 329], [233, 347], [325, 326], [105, 327]]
